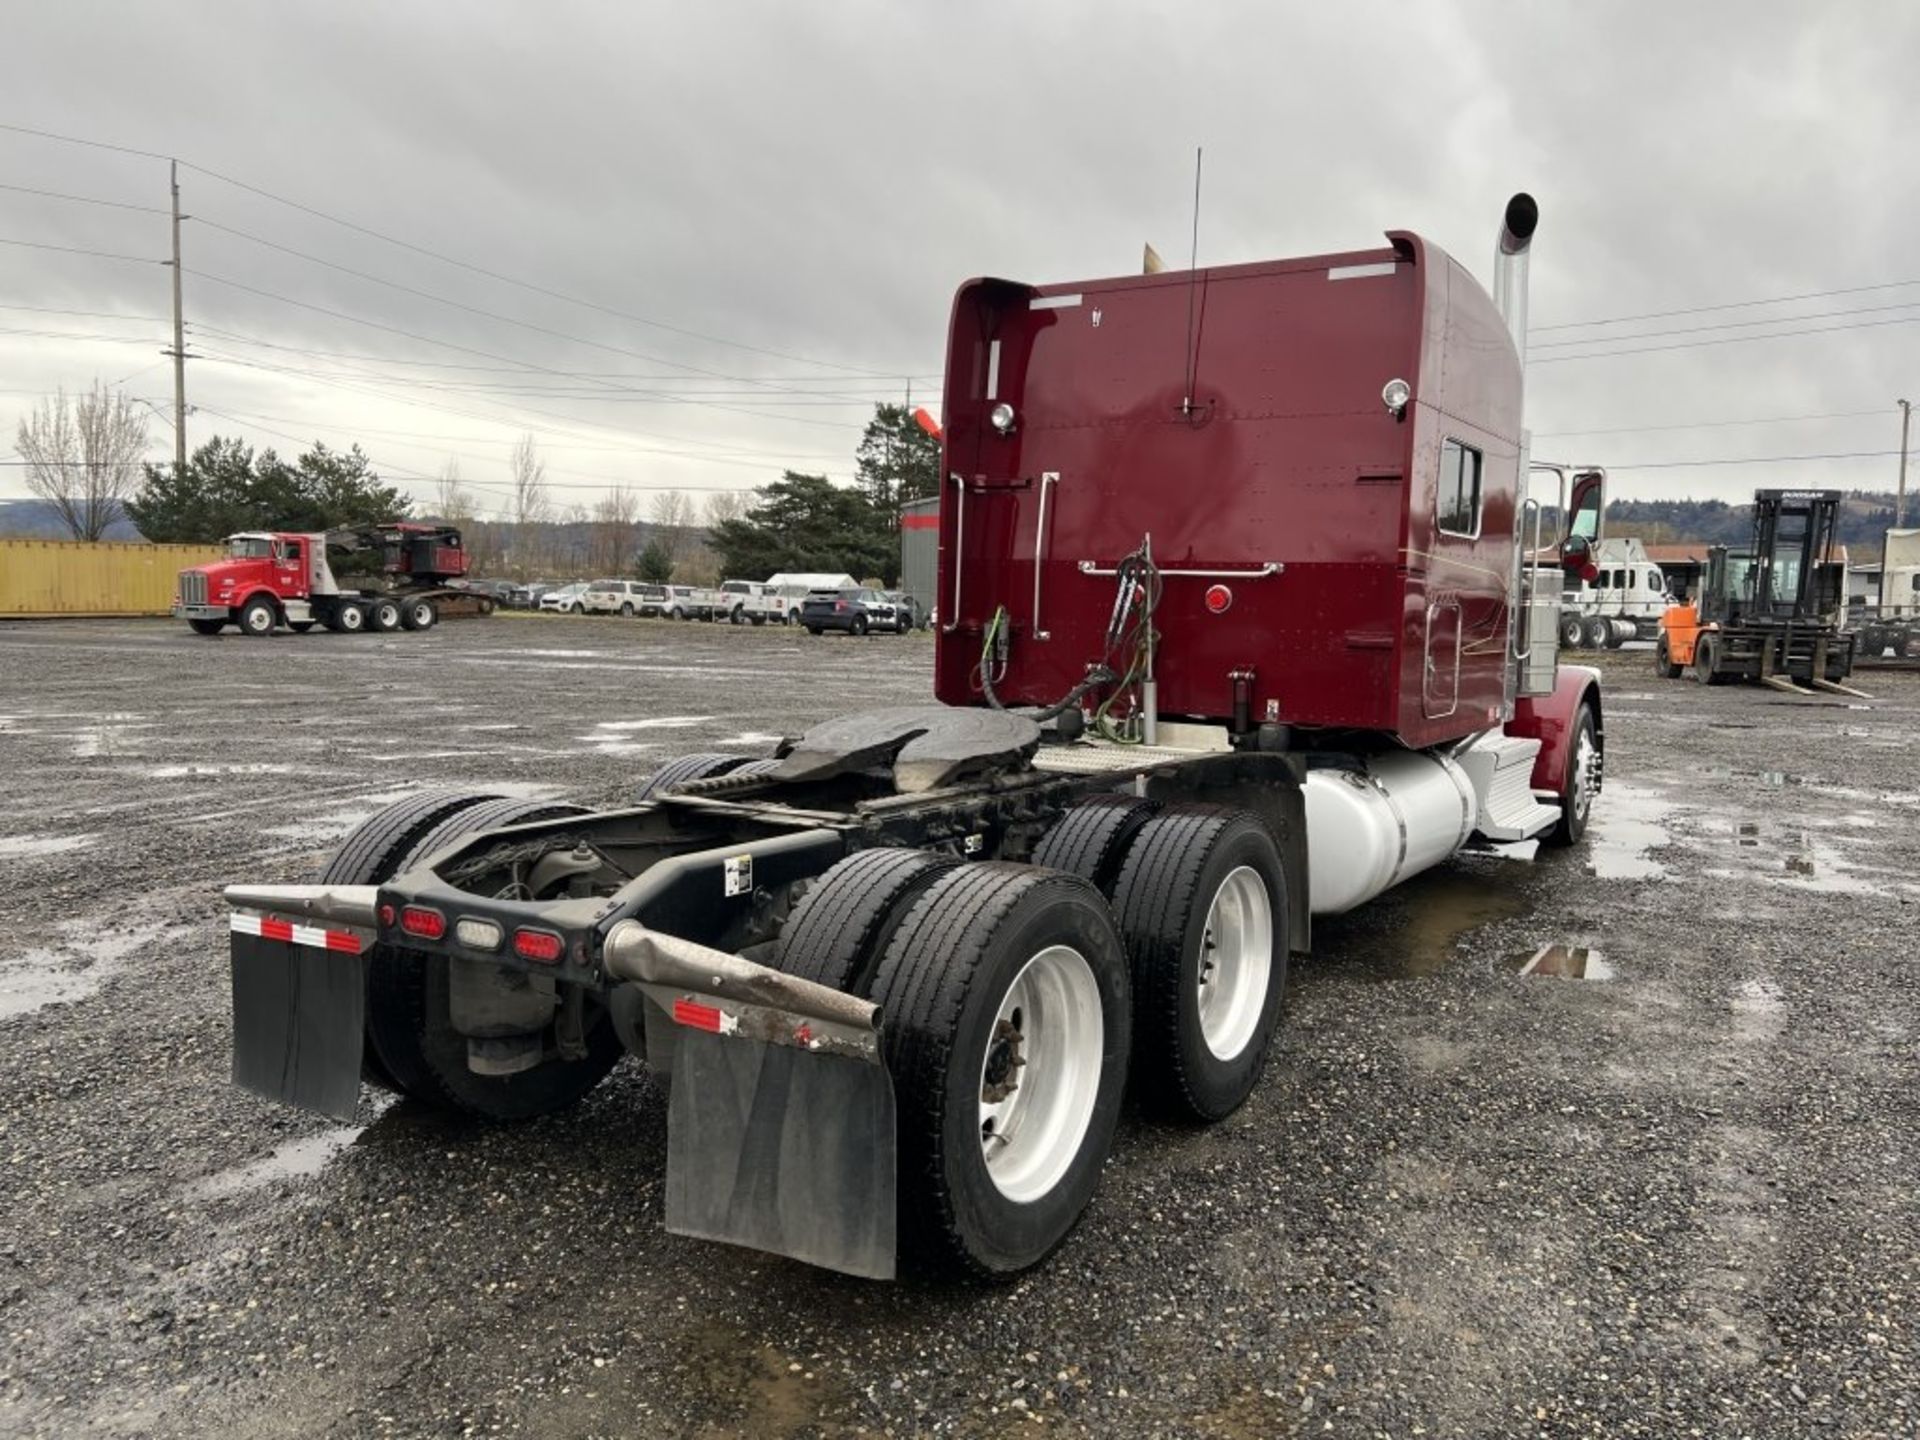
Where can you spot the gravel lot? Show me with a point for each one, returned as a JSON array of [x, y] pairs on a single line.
[[1464, 1202]]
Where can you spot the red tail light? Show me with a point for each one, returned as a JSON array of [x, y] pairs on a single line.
[[839, 606], [542, 946], [427, 924]]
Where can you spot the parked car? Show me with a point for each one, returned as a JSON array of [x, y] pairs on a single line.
[[742, 601], [613, 597], [691, 602], [907, 612], [855, 610], [568, 599]]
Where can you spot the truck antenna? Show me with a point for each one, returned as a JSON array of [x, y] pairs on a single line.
[[1193, 275]]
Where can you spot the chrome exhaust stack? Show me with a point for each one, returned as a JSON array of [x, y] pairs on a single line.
[[1510, 267]]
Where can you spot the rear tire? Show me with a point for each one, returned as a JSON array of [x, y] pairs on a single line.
[[418, 615], [859, 626], [408, 1010], [372, 854], [1091, 840], [207, 627], [1580, 786], [576, 608], [627, 611], [258, 617], [1706, 661], [1202, 904], [842, 924], [686, 768], [1663, 665], [1572, 632], [738, 616], [347, 619], [384, 616], [1008, 1021], [813, 629], [1595, 633]]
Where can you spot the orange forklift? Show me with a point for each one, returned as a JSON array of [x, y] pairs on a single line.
[[1771, 613]]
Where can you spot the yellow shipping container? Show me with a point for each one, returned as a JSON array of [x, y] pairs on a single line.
[[40, 579]]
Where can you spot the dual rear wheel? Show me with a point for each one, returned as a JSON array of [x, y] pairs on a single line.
[[1019, 999]]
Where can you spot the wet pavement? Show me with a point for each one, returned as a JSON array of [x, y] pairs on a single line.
[[1476, 1194]]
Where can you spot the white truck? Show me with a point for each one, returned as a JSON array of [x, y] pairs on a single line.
[[755, 602], [1623, 602], [1894, 623]]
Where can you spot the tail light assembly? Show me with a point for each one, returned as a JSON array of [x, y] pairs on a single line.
[[543, 947]]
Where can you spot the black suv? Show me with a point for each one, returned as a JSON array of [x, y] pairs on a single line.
[[855, 611]]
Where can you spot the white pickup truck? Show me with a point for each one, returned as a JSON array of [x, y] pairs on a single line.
[[755, 602]]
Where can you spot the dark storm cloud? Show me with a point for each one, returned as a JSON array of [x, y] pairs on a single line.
[[816, 179]]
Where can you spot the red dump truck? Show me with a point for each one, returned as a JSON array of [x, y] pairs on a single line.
[[275, 578], [1234, 631]]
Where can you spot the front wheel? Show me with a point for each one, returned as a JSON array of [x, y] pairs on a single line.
[[576, 608], [207, 627], [1009, 1017], [258, 617], [1663, 665], [1581, 784], [627, 611], [859, 624]]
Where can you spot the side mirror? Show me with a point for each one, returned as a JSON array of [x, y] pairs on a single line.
[[1586, 506], [1576, 557]]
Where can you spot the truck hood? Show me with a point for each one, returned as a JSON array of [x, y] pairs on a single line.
[[231, 572]]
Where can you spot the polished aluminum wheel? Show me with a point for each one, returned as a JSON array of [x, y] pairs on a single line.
[[1236, 962], [1586, 774], [1041, 1074]]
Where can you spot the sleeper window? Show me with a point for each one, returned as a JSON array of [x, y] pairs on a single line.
[[1458, 509]]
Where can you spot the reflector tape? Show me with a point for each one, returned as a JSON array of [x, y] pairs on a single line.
[[285, 930], [700, 1017]]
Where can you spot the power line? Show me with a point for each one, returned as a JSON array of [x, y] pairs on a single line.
[[731, 454], [76, 250], [1729, 325], [1753, 460], [446, 259], [1712, 424], [1722, 340], [84, 199], [485, 314], [1729, 305], [86, 314]]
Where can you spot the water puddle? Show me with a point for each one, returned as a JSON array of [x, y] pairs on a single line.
[[657, 722], [1441, 909], [29, 847], [1564, 962], [108, 736], [1813, 858], [1629, 822], [208, 772], [50, 976], [295, 1160]]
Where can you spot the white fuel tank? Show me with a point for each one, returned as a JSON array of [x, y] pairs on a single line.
[[1367, 830]]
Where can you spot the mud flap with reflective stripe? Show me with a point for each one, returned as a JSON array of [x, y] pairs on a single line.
[[299, 1015], [783, 1150]]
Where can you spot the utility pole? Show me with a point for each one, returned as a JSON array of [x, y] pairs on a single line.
[[179, 351], [1900, 495]]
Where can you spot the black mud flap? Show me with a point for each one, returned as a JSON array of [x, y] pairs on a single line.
[[299, 1016], [782, 1150]]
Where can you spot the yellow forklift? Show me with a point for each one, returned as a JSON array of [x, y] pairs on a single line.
[[1771, 613]]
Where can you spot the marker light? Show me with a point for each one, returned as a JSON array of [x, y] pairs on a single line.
[[427, 924], [541, 945], [1394, 395], [1002, 418], [1219, 599]]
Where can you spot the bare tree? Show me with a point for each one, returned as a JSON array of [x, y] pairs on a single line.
[[673, 518], [83, 457], [530, 504], [613, 519], [724, 505], [451, 498]]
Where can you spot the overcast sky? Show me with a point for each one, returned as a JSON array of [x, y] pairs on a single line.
[[815, 179]]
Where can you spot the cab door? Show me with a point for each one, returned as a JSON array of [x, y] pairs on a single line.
[[290, 569]]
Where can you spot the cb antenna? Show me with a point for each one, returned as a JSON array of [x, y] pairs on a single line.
[[1193, 277]]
